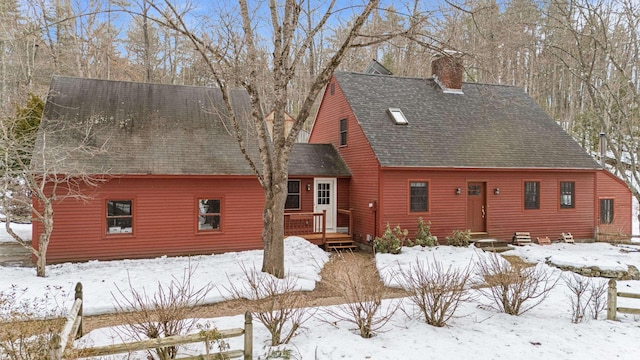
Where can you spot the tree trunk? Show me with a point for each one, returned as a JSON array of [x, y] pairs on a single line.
[[43, 240], [273, 229]]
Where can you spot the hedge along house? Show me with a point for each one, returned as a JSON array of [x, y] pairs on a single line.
[[175, 181], [462, 156]]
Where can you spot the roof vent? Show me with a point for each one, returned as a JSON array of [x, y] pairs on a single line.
[[397, 116]]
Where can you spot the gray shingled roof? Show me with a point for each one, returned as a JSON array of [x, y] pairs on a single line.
[[157, 129], [316, 159], [490, 126], [147, 128]]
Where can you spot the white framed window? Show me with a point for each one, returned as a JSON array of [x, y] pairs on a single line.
[[209, 214], [119, 216]]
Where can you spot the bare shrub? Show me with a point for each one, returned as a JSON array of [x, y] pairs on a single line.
[[167, 312], [435, 291], [278, 306], [588, 296], [516, 288], [580, 296], [26, 326], [598, 301], [362, 293]]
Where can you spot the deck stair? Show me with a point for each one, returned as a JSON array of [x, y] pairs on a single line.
[[492, 245], [340, 242]]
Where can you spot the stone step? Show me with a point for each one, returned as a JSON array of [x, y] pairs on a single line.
[[492, 245]]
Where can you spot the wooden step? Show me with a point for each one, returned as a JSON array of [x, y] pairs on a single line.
[[339, 244]]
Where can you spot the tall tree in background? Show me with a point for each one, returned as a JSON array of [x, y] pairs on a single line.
[[604, 56]]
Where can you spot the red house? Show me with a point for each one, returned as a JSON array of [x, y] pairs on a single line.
[[462, 156], [383, 150], [175, 181]]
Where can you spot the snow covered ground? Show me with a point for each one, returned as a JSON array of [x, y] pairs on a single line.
[[477, 332], [101, 279]]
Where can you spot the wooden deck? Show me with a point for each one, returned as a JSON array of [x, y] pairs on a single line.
[[312, 227]]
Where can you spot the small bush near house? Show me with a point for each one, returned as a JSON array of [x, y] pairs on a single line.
[[391, 241], [26, 327], [277, 303], [459, 238], [514, 288], [168, 312], [423, 236], [362, 298], [435, 291]]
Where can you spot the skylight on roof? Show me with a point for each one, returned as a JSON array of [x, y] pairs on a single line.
[[398, 116]]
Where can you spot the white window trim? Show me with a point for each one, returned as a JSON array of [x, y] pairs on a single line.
[[398, 116]]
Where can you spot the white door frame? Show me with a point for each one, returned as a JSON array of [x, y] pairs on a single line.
[[332, 211]]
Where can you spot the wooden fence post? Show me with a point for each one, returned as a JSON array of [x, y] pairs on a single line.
[[248, 336], [54, 348], [612, 301], [80, 311]]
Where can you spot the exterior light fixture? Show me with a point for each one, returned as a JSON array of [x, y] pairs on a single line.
[[496, 191], [308, 187], [458, 191]]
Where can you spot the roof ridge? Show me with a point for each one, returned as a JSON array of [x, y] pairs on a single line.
[[139, 82], [429, 78]]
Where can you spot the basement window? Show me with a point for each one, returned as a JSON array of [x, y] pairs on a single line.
[[119, 217], [398, 116], [209, 214]]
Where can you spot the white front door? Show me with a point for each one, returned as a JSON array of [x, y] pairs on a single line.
[[324, 198]]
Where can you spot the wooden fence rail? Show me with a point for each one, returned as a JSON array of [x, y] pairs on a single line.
[[73, 327], [612, 301]]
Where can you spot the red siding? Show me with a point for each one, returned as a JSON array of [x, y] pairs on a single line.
[[609, 186], [164, 216], [505, 212], [357, 154]]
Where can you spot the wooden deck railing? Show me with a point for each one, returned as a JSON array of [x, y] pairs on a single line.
[[307, 223], [348, 214]]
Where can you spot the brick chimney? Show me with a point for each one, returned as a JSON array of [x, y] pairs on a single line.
[[447, 71]]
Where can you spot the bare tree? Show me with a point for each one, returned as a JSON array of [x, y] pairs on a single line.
[[237, 57], [39, 174], [604, 56]]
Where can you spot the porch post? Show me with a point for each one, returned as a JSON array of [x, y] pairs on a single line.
[[324, 226]]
